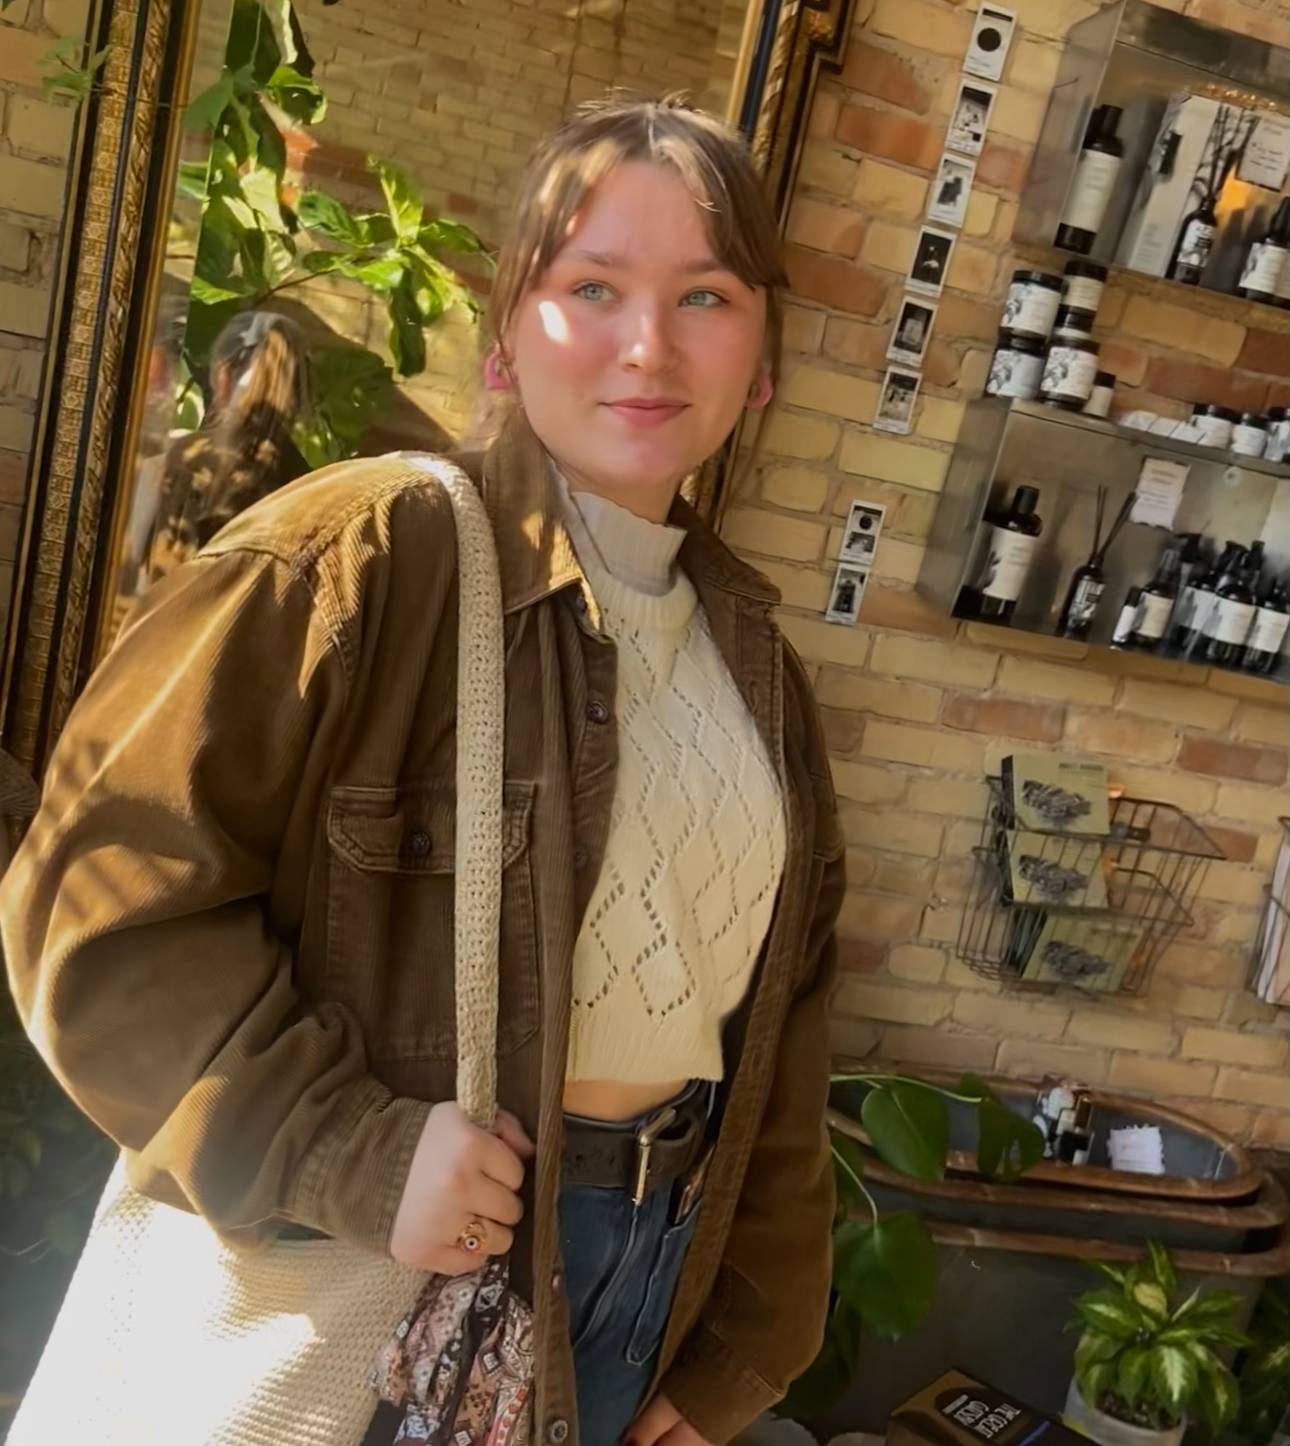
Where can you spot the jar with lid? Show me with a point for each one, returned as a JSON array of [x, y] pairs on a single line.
[[1033, 300], [1099, 404], [1250, 435], [1070, 372], [1083, 285], [1278, 448], [1215, 424], [1074, 323], [1016, 367]]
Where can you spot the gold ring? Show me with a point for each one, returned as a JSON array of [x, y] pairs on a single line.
[[472, 1237]]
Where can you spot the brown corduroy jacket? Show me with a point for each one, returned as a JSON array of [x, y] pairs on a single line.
[[229, 928]]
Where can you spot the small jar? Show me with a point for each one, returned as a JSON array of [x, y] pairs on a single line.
[[1215, 424], [1099, 404], [1083, 285], [1033, 300], [1278, 448], [1250, 435], [1070, 372], [1074, 323], [1016, 367]]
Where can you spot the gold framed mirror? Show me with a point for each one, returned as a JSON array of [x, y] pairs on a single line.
[[244, 172]]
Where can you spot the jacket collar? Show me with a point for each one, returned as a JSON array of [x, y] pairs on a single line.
[[534, 550]]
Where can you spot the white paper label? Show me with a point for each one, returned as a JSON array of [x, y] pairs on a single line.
[[1269, 631], [1159, 491], [1282, 289], [1069, 374], [1232, 620], [1099, 404], [1007, 564], [1153, 615], [1091, 190], [1031, 309], [1200, 608], [1197, 243], [1263, 267], [1214, 431], [1266, 158], [1249, 441], [1082, 293], [1015, 374]]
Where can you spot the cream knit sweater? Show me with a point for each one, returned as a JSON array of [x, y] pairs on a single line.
[[696, 836]]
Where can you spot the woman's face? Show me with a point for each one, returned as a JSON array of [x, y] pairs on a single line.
[[636, 352]]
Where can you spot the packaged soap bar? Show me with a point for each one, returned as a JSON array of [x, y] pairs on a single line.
[[960, 1411]]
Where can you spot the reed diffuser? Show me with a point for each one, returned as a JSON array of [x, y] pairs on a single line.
[[1088, 583]]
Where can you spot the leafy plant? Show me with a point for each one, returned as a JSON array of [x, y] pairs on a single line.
[[1145, 1358], [885, 1266], [1263, 1371], [63, 73]]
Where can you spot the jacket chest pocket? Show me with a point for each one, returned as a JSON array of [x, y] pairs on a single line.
[[390, 955]]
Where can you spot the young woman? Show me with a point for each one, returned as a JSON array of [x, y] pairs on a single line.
[[230, 927]]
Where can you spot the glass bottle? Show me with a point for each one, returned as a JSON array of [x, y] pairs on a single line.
[[1095, 176], [1128, 616], [1232, 615], [1088, 583], [1157, 600], [1198, 599], [1012, 540], [1268, 634], [1268, 260], [1195, 244]]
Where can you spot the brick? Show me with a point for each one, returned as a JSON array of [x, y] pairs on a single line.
[[1271, 1130], [890, 137], [24, 50], [942, 365], [37, 126], [982, 214], [864, 783], [906, 874], [823, 227], [1266, 351], [1124, 737], [900, 610], [1227, 1046], [905, 833], [1030, 1059], [910, 1046], [751, 530], [799, 587], [842, 731], [1195, 1002], [16, 428], [1189, 381], [1054, 18], [890, 191], [1038, 722], [15, 247], [1193, 706], [1205, 964], [856, 343], [1184, 790], [897, 560], [890, 248], [972, 269], [803, 329], [890, 460], [1008, 640], [798, 488], [1183, 328], [824, 112], [806, 438], [959, 318], [1253, 1089], [852, 1038], [861, 956], [1220, 759], [909, 513], [879, 916], [917, 963], [1263, 725], [886, 1002], [865, 694], [939, 420], [1127, 364], [840, 395], [32, 188], [1015, 1017], [1111, 1030], [1030, 678], [942, 923], [924, 24], [953, 797], [1246, 685], [884, 76], [1160, 1076], [1018, 114], [1234, 1121], [1003, 167], [1228, 15], [1233, 884], [13, 479], [1225, 926], [1237, 845], [939, 662], [825, 168], [820, 642], [922, 747], [1033, 64]]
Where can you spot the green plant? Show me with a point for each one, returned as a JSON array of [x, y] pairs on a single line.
[[884, 1266], [1145, 1358], [1263, 1372]]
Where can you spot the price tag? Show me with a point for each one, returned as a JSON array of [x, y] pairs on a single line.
[[1160, 489], [1267, 156]]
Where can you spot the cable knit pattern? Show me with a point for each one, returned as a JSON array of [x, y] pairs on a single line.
[[697, 834]]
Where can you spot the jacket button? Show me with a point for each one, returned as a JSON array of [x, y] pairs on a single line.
[[418, 843], [557, 1431], [581, 856], [598, 711]]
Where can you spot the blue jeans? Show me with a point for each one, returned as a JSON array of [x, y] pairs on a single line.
[[621, 1267]]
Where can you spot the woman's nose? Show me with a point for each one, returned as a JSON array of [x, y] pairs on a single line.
[[647, 343]]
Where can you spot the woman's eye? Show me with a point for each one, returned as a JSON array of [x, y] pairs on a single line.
[[593, 291], [703, 297]]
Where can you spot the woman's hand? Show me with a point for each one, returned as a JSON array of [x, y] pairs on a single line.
[[460, 1175], [661, 1424]]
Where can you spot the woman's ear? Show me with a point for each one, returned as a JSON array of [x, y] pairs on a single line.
[[762, 390], [497, 373]]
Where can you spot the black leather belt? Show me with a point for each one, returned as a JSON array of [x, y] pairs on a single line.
[[640, 1155]]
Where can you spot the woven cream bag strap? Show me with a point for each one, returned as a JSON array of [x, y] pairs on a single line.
[[167, 1337]]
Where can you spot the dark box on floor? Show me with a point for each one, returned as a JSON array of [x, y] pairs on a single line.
[[960, 1411]]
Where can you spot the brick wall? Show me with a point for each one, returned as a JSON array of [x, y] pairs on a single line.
[[34, 140], [917, 706]]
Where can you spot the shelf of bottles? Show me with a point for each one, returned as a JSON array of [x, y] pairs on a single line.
[[1037, 530], [1164, 153]]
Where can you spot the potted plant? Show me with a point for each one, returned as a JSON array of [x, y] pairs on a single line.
[[1147, 1361]]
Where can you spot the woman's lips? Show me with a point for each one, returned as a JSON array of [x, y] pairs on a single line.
[[646, 414]]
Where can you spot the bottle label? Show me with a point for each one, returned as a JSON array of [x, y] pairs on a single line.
[[1007, 563], [1083, 606], [1214, 431], [1269, 631], [1197, 242], [1249, 441], [1069, 374], [1082, 293], [1031, 309], [1015, 374], [1232, 620], [1153, 616], [1124, 623], [1091, 189], [1282, 289], [1263, 267]]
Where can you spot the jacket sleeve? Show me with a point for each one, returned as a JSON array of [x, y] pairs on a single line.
[[135, 918], [764, 1322]]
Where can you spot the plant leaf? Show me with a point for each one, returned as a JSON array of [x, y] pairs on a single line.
[[1094, 1379], [1213, 1307], [886, 1272], [1219, 1398], [204, 110], [443, 235], [848, 1168], [1162, 1267], [279, 14], [1131, 1373], [297, 95], [384, 273], [1174, 1374], [1152, 1299], [1101, 1311], [329, 217], [1007, 1145], [909, 1128], [401, 198], [1094, 1347]]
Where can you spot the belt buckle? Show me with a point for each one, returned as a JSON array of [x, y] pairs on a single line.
[[645, 1139]]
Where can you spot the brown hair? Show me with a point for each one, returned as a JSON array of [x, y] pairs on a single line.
[[710, 158]]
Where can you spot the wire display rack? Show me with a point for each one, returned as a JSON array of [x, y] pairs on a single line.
[[1050, 908], [1269, 978]]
